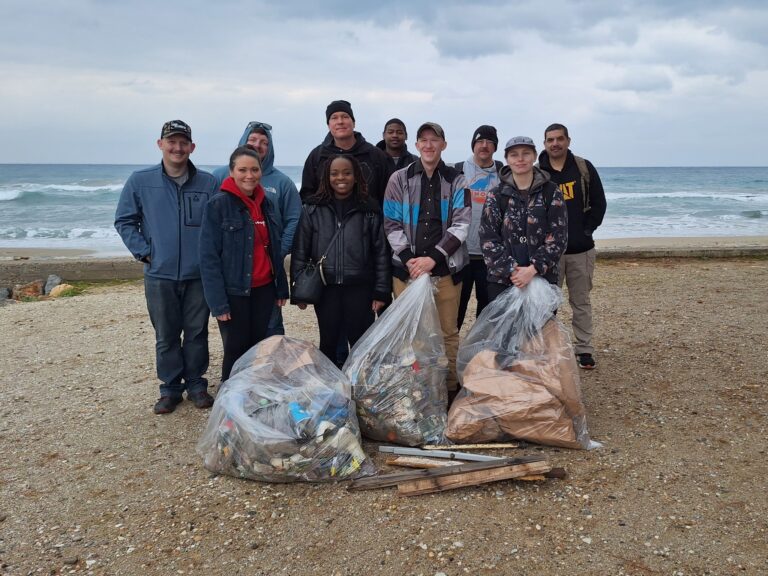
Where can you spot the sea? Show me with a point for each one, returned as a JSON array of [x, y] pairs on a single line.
[[73, 205]]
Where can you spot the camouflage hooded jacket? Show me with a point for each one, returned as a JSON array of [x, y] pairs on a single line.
[[533, 228]]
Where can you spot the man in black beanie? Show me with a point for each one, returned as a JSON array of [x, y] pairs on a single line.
[[481, 173], [393, 144], [342, 139]]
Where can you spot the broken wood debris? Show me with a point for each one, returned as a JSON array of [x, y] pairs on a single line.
[[387, 480], [418, 462], [459, 480]]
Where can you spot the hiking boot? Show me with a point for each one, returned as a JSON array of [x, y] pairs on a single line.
[[585, 361], [201, 399], [166, 404]]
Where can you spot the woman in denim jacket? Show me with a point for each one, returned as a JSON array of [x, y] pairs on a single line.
[[240, 264]]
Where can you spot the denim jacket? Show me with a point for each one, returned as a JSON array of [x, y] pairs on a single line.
[[226, 245]]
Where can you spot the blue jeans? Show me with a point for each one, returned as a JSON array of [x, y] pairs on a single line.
[[176, 308]]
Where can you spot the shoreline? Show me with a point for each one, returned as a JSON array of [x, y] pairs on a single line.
[[19, 265]]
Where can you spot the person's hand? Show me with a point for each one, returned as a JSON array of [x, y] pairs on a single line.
[[280, 302], [224, 317], [377, 305], [420, 265], [522, 276], [301, 306]]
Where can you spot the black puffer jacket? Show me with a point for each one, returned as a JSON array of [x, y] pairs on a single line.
[[360, 255]]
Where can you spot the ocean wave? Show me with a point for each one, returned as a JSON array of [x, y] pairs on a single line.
[[95, 233], [684, 194], [754, 213], [58, 193]]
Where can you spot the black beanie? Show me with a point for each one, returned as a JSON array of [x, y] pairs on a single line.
[[338, 106], [485, 132]]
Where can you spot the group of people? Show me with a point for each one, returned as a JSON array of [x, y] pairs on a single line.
[[371, 218]]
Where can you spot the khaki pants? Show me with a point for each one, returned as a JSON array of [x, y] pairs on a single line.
[[577, 270], [447, 300]]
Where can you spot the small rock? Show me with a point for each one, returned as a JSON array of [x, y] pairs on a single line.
[[31, 290], [5, 293], [51, 283], [59, 290], [71, 561]]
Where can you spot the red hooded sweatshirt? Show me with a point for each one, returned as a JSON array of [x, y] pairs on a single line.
[[262, 264]]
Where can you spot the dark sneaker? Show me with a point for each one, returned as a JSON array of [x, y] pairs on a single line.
[[201, 399], [585, 361], [166, 404]]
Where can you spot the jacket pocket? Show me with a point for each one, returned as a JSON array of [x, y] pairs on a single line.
[[194, 204], [233, 248]]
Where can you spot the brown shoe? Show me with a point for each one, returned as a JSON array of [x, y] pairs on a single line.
[[201, 399], [166, 404]]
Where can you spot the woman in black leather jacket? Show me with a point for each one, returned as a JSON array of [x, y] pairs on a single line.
[[356, 267]]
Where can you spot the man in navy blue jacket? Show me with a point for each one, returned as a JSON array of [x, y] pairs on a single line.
[[158, 217]]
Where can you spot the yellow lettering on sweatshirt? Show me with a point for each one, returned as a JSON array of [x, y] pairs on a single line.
[[567, 189]]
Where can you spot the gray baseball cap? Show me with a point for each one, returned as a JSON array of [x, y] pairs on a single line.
[[435, 127], [519, 141]]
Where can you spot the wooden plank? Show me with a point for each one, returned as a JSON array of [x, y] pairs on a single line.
[[554, 473], [459, 447], [418, 462], [386, 480], [453, 481]]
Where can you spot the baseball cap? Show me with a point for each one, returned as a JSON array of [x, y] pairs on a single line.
[[519, 141], [176, 127], [436, 128]]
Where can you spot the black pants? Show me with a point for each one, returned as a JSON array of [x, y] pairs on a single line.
[[345, 310], [494, 289], [248, 326], [473, 273]]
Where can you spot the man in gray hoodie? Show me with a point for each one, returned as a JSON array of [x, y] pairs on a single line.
[[481, 174], [280, 190]]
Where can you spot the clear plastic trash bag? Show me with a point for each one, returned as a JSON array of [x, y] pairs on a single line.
[[284, 415], [398, 370], [519, 375]]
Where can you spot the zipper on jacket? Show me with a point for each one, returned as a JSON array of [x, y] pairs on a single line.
[[179, 197]]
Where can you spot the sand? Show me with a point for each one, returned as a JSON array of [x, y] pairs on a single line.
[[91, 481]]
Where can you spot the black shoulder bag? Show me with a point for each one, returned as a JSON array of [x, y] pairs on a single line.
[[307, 286]]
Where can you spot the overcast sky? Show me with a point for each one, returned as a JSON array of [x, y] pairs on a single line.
[[639, 83]]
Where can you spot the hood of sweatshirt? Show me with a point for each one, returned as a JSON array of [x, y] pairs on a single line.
[[267, 165], [539, 178], [250, 202], [358, 148]]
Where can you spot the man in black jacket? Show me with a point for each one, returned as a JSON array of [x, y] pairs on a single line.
[[584, 196], [342, 139], [394, 146]]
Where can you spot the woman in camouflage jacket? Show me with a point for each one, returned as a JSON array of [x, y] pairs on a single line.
[[524, 227]]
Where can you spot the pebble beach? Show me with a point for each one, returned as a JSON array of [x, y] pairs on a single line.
[[94, 483]]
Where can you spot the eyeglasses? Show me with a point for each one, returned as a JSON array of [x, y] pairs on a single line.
[[256, 125]]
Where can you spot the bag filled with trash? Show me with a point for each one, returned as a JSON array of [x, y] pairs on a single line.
[[398, 370], [284, 415], [519, 375]]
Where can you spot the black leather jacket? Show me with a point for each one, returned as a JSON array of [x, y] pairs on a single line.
[[360, 254]]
